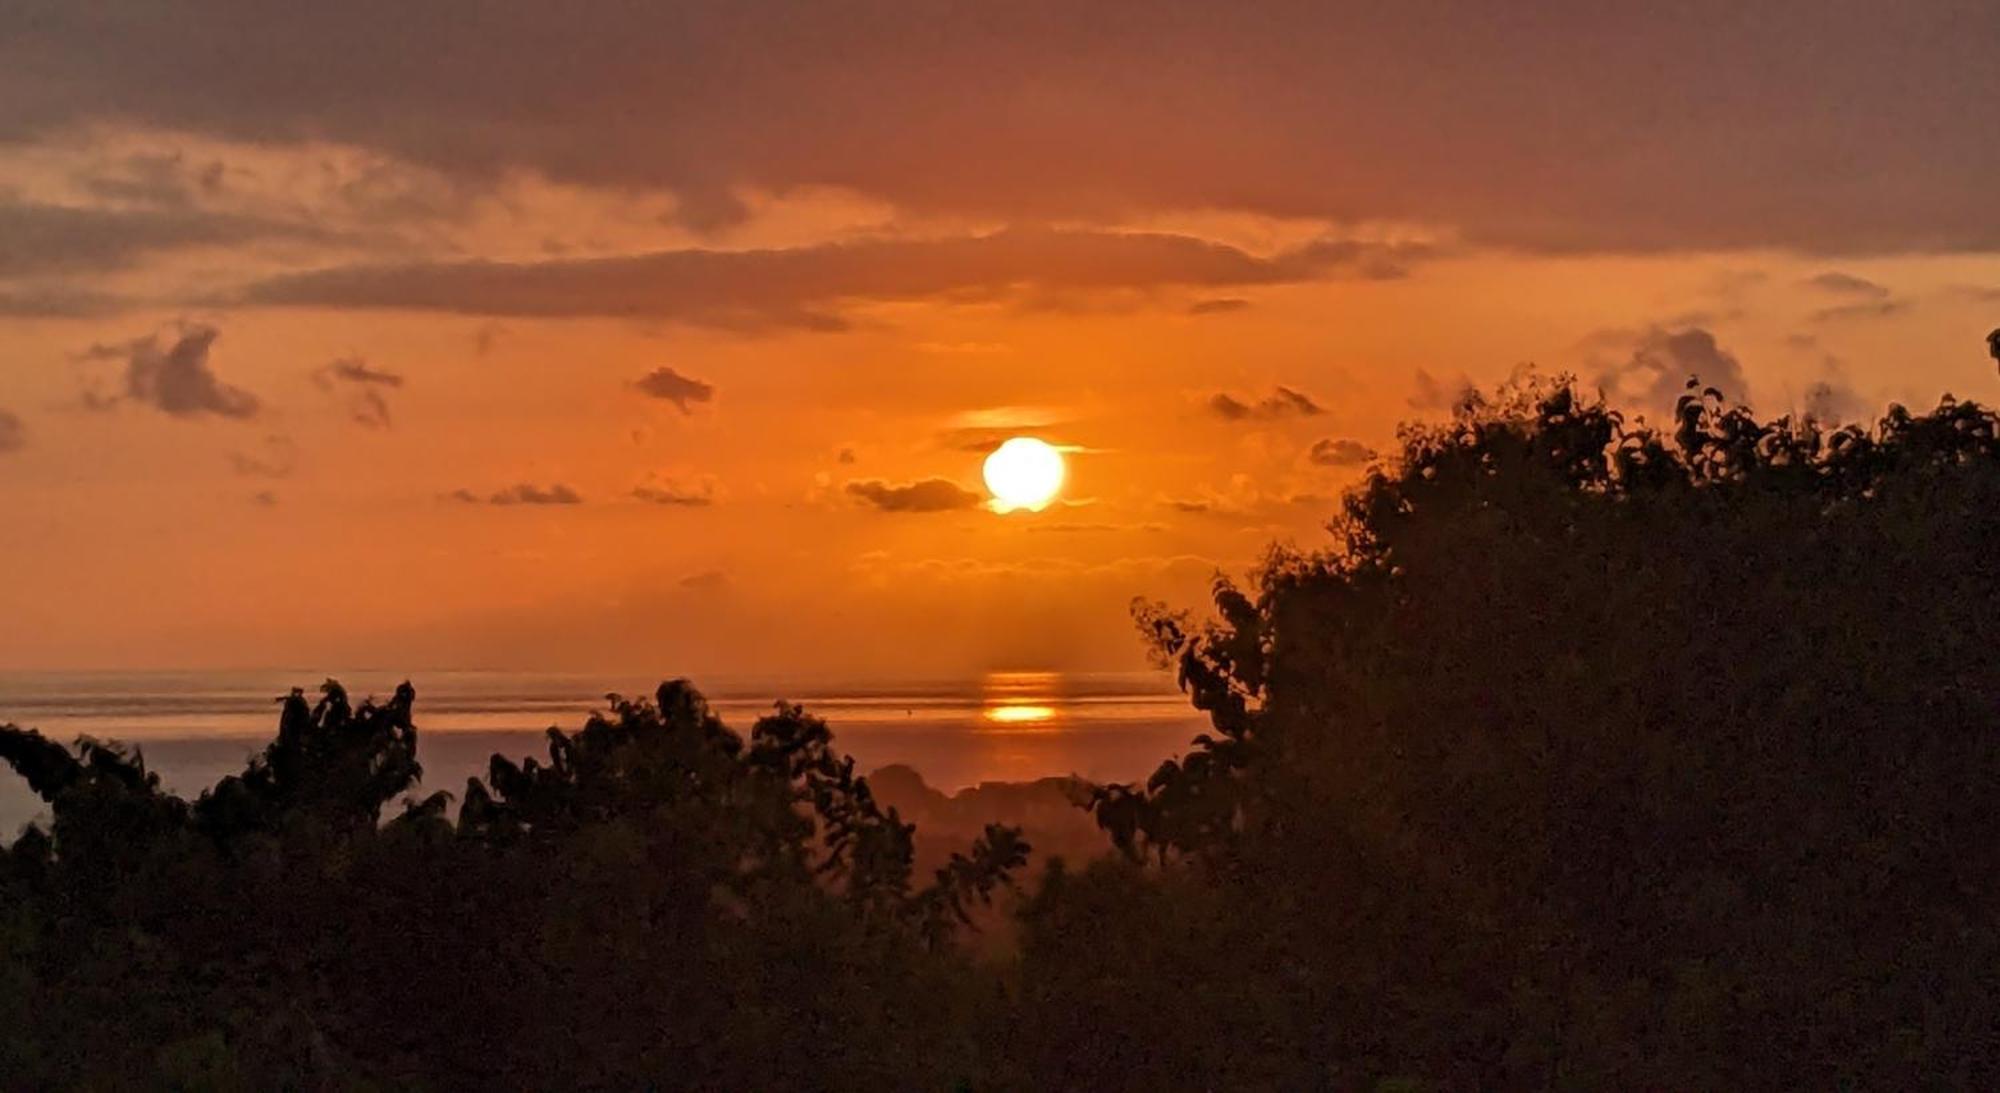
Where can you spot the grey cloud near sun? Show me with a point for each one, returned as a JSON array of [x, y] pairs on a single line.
[[174, 376], [13, 434], [1655, 372], [359, 389], [1280, 403], [670, 386], [1341, 452], [523, 493], [801, 287], [1579, 142], [928, 495]]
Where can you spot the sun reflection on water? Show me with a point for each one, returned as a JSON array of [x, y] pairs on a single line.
[[1020, 701]]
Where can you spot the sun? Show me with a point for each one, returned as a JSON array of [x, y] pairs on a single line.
[[1024, 473]]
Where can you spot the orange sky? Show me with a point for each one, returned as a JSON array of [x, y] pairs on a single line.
[[270, 347]]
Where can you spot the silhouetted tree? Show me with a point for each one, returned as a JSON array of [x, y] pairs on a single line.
[[1594, 756]]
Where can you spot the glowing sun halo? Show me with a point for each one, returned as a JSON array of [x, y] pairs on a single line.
[[1024, 473]]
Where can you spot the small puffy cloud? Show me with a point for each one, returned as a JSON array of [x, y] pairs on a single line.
[[264, 499], [359, 388], [1656, 372], [707, 579], [521, 494], [846, 456], [1341, 452], [1282, 402], [175, 377], [665, 383], [278, 459], [928, 495], [13, 434], [1847, 284], [661, 490]]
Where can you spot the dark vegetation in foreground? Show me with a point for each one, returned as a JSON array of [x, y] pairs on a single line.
[[1587, 757]]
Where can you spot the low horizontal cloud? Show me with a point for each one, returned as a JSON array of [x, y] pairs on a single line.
[[174, 376], [1847, 284], [521, 494], [802, 287], [663, 490], [928, 495], [1867, 309], [1341, 452], [1281, 402], [670, 386], [39, 239], [59, 302], [13, 434], [359, 389], [1220, 306], [711, 578]]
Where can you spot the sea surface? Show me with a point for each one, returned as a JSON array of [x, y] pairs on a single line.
[[194, 728]]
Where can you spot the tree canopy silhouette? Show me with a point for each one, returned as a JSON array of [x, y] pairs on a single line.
[[1599, 755]]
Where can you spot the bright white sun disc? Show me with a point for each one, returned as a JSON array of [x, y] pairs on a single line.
[[1024, 473]]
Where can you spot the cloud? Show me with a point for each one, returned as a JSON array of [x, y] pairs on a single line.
[[1219, 306], [1069, 529], [928, 495], [521, 494], [1344, 452], [13, 434], [846, 456], [359, 388], [279, 459], [1656, 372], [1281, 402], [1871, 309], [661, 490], [665, 383], [57, 301], [1846, 284], [264, 499], [175, 378], [38, 239], [1435, 394], [802, 287], [1051, 114], [712, 578]]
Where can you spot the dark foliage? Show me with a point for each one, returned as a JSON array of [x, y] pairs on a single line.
[[1591, 757], [660, 905]]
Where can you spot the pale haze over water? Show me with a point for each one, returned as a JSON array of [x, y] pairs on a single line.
[[196, 727]]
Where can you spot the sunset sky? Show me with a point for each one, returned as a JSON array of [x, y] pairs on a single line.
[[672, 337]]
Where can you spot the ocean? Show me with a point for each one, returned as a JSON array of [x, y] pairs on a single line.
[[196, 727]]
